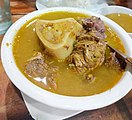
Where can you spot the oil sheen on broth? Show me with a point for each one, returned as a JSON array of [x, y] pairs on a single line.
[[124, 20], [26, 43]]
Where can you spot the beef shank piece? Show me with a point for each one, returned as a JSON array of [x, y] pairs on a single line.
[[112, 62], [87, 55], [89, 48], [37, 68], [94, 26]]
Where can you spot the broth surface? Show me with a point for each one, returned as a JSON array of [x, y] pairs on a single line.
[[26, 43], [124, 20]]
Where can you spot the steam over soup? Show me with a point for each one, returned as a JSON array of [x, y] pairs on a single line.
[[66, 53]]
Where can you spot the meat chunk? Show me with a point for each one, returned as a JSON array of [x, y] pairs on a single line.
[[94, 26], [85, 35], [36, 67], [76, 60], [112, 61], [87, 55], [93, 23], [89, 48]]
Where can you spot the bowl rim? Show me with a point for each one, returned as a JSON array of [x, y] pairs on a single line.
[[60, 101], [114, 9]]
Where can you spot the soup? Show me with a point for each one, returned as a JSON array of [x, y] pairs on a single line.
[[124, 20], [68, 80]]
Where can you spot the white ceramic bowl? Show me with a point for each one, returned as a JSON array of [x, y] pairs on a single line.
[[115, 9], [60, 101]]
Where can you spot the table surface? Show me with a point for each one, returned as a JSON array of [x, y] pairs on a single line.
[[12, 106]]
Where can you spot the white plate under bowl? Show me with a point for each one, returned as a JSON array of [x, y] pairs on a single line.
[[59, 101], [93, 6]]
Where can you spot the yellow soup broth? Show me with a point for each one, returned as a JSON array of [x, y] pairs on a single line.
[[69, 82], [124, 20]]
